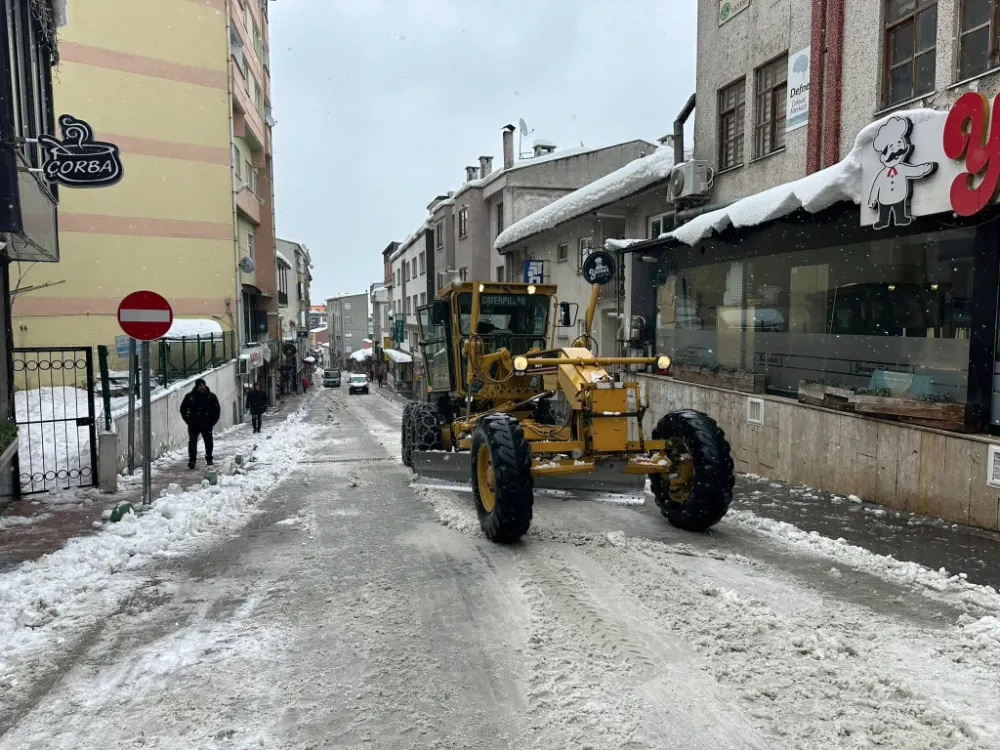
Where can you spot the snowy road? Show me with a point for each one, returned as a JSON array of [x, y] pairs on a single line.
[[357, 611]]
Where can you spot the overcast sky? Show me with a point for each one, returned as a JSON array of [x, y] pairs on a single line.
[[380, 104]]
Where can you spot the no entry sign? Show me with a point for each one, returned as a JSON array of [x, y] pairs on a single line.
[[145, 316]]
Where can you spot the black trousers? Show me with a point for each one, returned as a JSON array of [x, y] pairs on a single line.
[[193, 434], [255, 420]]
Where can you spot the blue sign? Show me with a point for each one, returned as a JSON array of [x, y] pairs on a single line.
[[534, 271], [121, 344]]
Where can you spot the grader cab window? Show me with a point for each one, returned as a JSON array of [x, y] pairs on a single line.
[[517, 322], [434, 345]]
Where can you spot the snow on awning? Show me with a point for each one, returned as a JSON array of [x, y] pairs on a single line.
[[189, 328], [635, 176], [309, 359], [814, 193], [400, 358], [282, 258], [361, 354]]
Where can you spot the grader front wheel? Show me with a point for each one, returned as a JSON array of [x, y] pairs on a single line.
[[501, 478], [406, 437], [697, 492]]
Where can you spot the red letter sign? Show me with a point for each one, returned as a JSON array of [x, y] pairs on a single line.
[[982, 156]]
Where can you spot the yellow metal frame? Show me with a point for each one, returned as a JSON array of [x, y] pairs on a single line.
[[600, 412]]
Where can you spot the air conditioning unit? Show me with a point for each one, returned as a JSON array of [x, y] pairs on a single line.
[[690, 180], [242, 366]]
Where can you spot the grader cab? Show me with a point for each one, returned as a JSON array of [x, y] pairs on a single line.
[[509, 411]]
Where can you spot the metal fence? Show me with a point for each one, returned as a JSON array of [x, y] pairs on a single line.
[[54, 411], [181, 358]]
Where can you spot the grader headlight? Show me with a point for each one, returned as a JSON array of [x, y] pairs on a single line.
[[520, 363], [663, 363]]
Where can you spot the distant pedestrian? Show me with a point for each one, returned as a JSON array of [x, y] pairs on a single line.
[[305, 383], [200, 411], [257, 404], [379, 376]]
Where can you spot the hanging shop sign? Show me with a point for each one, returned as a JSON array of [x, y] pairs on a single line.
[[254, 356], [78, 160], [598, 268], [730, 8], [534, 271], [797, 104], [400, 332]]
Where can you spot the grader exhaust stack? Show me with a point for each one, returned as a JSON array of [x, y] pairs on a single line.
[[508, 411]]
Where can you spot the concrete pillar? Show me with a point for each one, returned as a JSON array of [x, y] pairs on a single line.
[[107, 461]]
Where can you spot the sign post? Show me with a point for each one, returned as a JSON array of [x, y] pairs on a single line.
[[133, 382], [145, 316]]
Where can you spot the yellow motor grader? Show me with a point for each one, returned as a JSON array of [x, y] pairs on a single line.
[[506, 408]]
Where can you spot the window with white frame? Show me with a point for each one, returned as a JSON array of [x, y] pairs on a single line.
[[658, 225], [562, 252], [423, 263], [250, 240], [463, 273], [438, 239], [407, 305], [463, 221], [423, 298]]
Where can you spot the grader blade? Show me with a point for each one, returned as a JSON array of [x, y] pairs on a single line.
[[439, 467]]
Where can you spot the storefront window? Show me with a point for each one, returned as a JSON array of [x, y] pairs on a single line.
[[847, 314]]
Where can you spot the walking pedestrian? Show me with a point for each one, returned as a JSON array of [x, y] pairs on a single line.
[[200, 411], [257, 404], [305, 383], [379, 376]]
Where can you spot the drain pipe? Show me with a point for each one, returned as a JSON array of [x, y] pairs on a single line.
[[682, 117], [814, 142], [834, 77]]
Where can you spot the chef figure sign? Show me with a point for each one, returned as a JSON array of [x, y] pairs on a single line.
[[890, 190]]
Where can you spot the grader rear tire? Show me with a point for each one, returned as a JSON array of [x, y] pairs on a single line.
[[702, 500], [426, 430], [501, 478], [406, 440]]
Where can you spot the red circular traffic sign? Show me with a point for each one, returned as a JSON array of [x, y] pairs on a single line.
[[145, 316]]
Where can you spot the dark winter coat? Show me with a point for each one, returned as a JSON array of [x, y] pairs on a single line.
[[201, 410], [257, 402]]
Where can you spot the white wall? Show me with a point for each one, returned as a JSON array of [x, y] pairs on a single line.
[[168, 429]]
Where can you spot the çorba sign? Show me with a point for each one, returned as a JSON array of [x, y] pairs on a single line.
[[78, 160], [944, 162]]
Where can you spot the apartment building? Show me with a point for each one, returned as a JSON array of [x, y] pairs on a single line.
[[412, 268], [294, 281], [467, 222], [347, 317], [181, 88]]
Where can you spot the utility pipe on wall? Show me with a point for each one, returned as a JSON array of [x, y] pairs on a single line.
[[833, 81], [814, 138]]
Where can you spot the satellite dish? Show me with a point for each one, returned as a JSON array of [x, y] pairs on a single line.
[[246, 264]]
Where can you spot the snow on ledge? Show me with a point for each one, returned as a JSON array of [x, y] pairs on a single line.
[[191, 327], [630, 179], [814, 193]]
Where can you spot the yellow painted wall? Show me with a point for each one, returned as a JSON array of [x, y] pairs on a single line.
[[96, 268]]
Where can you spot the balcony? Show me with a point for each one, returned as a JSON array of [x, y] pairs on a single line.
[[247, 122], [248, 204]]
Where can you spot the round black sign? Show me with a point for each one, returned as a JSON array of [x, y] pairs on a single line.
[[290, 350], [599, 268]]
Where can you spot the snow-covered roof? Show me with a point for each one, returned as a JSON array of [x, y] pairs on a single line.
[[361, 354], [405, 244], [320, 329], [543, 143], [400, 358], [815, 192], [282, 258], [190, 327], [635, 176]]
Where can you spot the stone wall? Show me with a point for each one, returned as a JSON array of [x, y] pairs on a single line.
[[906, 468]]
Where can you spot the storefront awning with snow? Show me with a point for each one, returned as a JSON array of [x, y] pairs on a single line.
[[361, 354], [634, 177], [842, 182], [400, 358]]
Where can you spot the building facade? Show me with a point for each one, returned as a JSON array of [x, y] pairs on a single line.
[[347, 322], [835, 306], [175, 85], [28, 203]]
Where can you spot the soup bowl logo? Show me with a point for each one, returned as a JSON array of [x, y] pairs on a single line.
[[78, 160]]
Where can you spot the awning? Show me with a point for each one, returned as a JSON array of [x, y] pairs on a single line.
[[361, 354], [400, 358]]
